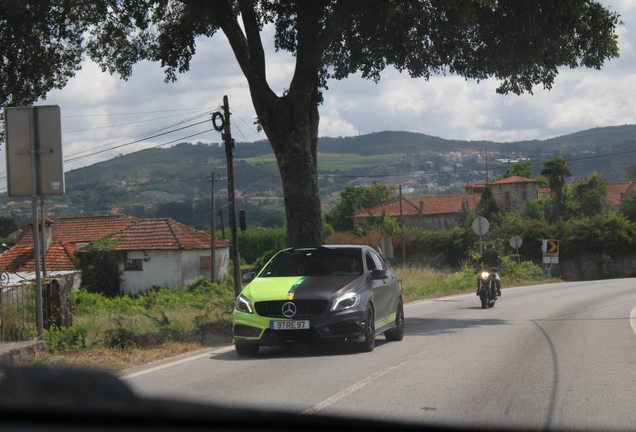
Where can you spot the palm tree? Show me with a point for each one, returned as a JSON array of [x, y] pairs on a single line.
[[556, 170]]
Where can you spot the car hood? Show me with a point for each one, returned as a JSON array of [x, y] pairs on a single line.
[[298, 288]]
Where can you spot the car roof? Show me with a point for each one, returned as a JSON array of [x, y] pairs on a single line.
[[338, 246]]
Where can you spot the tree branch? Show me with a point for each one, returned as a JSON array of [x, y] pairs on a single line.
[[253, 69]]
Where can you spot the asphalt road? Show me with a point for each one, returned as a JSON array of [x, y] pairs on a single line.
[[548, 356]]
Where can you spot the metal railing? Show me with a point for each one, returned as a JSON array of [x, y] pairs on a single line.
[[17, 311]]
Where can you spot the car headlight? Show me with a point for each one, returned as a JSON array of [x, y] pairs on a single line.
[[346, 301], [485, 275], [243, 304]]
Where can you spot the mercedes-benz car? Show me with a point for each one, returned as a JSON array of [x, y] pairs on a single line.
[[324, 293]]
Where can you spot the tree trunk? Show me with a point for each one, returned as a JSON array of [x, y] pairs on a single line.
[[293, 135]]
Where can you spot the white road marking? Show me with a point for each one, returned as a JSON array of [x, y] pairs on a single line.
[[174, 363], [632, 319], [357, 386]]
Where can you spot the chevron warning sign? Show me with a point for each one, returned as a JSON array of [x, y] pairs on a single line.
[[550, 250]]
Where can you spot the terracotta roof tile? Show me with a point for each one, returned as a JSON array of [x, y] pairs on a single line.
[[513, 179], [617, 191], [20, 258], [168, 234], [80, 229], [432, 205]]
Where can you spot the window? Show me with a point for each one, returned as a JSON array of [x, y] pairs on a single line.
[[133, 265], [371, 265]]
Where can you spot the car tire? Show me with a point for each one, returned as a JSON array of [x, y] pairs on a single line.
[[397, 334], [246, 349], [369, 331]]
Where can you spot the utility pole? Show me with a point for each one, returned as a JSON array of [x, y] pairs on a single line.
[[212, 234], [486, 166], [402, 226], [222, 225], [229, 155]]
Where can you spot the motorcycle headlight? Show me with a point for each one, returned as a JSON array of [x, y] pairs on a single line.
[[346, 301], [485, 275], [243, 304]]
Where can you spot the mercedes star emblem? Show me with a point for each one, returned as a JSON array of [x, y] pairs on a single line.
[[289, 310]]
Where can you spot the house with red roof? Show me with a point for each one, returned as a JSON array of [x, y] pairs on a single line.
[[617, 191], [435, 213], [159, 252], [510, 192]]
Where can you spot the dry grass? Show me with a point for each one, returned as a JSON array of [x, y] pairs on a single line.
[[412, 275], [112, 360]]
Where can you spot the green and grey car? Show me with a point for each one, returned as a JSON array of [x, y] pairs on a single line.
[[311, 294]]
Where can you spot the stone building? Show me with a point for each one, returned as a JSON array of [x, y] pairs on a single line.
[[510, 192]]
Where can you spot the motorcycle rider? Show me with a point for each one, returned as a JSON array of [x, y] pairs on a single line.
[[491, 258]]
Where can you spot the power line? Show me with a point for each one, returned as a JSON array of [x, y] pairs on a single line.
[[134, 113]]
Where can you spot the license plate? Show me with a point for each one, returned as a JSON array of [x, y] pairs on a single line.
[[288, 325]]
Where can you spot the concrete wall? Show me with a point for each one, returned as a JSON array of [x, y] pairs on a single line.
[[597, 266], [435, 222], [168, 268]]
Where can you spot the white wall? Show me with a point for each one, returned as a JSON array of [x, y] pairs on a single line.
[[169, 268]]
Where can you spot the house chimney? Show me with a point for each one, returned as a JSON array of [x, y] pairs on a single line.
[[355, 209], [421, 206], [47, 235]]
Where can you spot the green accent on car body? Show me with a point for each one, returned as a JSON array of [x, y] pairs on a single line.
[[251, 320], [290, 294], [267, 289], [385, 321]]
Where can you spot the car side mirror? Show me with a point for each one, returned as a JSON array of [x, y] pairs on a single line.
[[378, 274], [249, 277]]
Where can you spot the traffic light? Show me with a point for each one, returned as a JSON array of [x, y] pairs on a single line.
[[242, 222]]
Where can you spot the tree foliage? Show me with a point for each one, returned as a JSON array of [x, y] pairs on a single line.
[[522, 44], [363, 198], [7, 226], [488, 206], [556, 170], [521, 169], [98, 263]]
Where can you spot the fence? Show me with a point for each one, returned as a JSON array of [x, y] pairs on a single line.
[[17, 313], [18, 317]]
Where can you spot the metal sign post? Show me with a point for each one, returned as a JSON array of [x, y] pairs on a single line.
[[480, 227], [34, 131], [515, 243]]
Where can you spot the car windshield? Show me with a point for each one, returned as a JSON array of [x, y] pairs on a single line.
[[315, 262]]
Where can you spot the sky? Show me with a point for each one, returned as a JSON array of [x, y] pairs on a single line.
[[101, 112]]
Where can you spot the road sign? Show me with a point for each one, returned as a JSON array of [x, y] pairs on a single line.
[[550, 246], [549, 258], [42, 125], [515, 242], [480, 226]]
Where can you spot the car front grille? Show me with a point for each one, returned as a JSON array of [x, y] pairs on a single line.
[[304, 308]]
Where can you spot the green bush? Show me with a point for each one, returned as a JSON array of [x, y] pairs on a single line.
[[68, 339]]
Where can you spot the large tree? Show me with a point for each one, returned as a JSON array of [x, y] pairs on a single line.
[[556, 170], [521, 43]]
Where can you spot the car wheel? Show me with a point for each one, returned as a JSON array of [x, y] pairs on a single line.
[[369, 331], [397, 334], [246, 349]]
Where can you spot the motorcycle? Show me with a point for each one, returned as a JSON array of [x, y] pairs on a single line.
[[488, 286]]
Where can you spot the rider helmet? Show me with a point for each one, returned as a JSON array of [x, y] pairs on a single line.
[[490, 248]]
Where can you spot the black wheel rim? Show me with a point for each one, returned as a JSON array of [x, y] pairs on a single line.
[[400, 317]]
